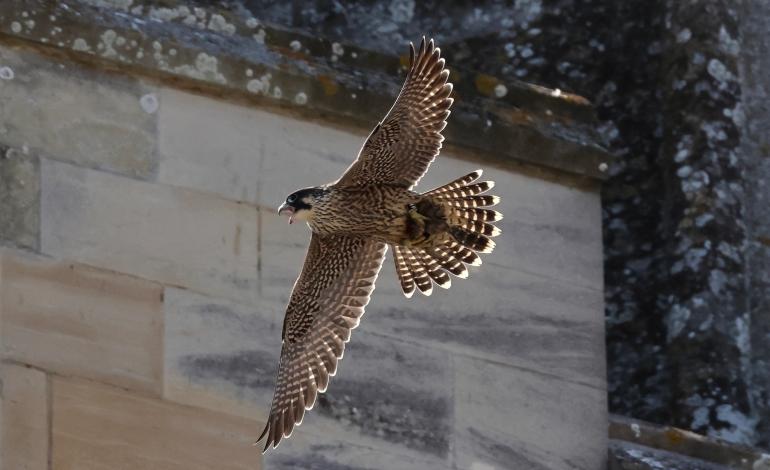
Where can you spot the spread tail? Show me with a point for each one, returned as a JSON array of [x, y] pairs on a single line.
[[470, 231]]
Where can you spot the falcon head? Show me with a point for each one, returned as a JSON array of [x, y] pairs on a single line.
[[299, 205]]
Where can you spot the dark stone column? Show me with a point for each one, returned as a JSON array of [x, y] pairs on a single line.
[[755, 144], [703, 296]]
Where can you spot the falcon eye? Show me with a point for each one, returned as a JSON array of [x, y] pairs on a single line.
[[291, 198]]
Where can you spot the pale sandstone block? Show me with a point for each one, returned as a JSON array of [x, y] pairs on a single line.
[[312, 450], [511, 418], [249, 154], [549, 229], [173, 235], [97, 427], [387, 394], [24, 412], [78, 320], [244, 153], [20, 196], [73, 113], [502, 312]]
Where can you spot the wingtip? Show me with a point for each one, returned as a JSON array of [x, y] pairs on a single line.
[[267, 444], [264, 432]]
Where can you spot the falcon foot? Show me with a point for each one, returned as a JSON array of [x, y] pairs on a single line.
[[423, 221]]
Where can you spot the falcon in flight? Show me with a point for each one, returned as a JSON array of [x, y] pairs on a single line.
[[355, 219]]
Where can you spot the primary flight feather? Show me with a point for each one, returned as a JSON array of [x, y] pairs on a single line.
[[354, 220]]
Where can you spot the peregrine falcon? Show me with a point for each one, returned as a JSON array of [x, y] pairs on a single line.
[[355, 219]]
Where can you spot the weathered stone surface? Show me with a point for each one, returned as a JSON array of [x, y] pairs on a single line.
[[685, 444], [549, 229], [312, 450], [705, 305], [24, 411], [219, 354], [549, 317], [755, 147], [246, 154], [538, 325], [100, 427], [625, 456], [20, 196], [77, 320], [176, 236], [225, 50], [65, 111], [387, 393], [509, 418]]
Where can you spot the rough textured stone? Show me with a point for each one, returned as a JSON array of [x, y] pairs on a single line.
[[705, 304], [625, 456], [685, 444], [77, 320], [387, 394], [64, 111], [97, 427], [20, 196], [24, 410], [136, 227], [225, 50], [755, 146], [506, 418]]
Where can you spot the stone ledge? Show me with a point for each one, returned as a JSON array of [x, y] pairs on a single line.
[[655, 438], [235, 57]]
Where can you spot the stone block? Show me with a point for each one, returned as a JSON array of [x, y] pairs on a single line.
[[505, 311], [243, 153], [69, 112], [82, 321], [24, 412], [159, 232], [549, 229], [312, 450], [252, 155], [96, 427], [387, 394], [20, 196], [514, 418]]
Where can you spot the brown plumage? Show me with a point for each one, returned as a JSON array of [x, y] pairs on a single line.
[[354, 220]]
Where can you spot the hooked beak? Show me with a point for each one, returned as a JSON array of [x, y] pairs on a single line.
[[287, 209]]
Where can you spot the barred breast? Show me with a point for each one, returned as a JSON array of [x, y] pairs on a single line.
[[377, 211]]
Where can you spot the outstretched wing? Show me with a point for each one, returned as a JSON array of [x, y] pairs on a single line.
[[401, 147], [327, 302]]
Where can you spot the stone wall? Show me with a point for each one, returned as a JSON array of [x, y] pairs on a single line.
[[144, 276]]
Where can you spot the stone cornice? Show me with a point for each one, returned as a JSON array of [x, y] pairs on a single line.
[[237, 56]]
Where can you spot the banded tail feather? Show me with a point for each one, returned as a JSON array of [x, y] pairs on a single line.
[[470, 232]]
